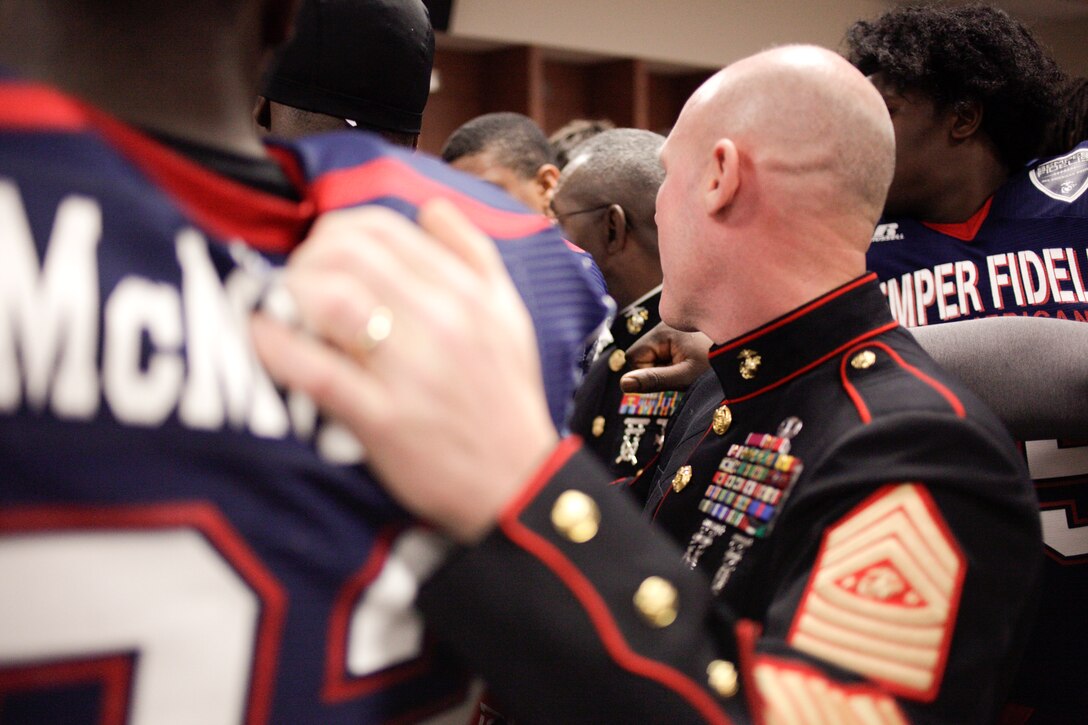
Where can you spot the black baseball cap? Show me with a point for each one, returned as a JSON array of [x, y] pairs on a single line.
[[368, 61]]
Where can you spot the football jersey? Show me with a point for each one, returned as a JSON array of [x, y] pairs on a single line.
[[1024, 253], [180, 541]]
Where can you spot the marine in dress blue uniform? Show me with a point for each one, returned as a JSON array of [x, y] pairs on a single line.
[[854, 511], [626, 430]]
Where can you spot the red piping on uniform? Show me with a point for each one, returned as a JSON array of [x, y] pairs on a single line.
[[607, 630], [556, 460], [747, 632], [591, 601], [819, 361], [953, 401], [796, 313], [852, 392], [964, 231]]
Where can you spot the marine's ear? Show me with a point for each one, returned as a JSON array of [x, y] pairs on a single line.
[[724, 176]]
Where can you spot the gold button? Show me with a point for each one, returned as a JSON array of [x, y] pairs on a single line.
[[616, 361], [576, 516], [723, 418], [863, 360], [656, 600], [598, 426], [721, 675], [682, 478], [637, 320]]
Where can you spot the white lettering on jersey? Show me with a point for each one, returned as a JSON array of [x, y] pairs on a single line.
[[49, 311], [167, 594], [1022, 279], [165, 349], [140, 396]]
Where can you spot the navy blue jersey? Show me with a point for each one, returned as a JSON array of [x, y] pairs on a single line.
[[181, 542], [1024, 253]]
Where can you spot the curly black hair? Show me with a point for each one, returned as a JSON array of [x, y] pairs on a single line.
[[963, 54]]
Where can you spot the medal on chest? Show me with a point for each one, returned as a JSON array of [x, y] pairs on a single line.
[[638, 412], [742, 499]]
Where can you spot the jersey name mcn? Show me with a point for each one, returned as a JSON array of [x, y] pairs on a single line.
[[150, 350]]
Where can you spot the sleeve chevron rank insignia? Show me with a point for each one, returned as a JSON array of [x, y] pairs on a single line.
[[796, 695], [884, 592]]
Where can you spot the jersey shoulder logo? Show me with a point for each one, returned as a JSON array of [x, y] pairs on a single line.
[[1063, 178], [887, 233]]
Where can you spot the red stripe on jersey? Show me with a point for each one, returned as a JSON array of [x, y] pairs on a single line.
[[226, 208], [112, 674], [390, 177], [964, 231], [210, 522], [340, 685]]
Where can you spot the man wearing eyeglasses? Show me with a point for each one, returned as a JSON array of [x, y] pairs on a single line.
[[605, 204]]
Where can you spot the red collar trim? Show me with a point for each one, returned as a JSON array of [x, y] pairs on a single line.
[[964, 231], [800, 312], [226, 208]]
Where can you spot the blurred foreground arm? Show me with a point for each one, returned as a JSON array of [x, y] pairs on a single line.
[[414, 332], [423, 349]]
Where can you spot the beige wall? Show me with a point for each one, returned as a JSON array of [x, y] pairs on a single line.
[[1068, 41], [708, 33]]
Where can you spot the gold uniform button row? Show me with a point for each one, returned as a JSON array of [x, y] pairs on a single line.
[[722, 677], [576, 516], [682, 478], [657, 601], [617, 360]]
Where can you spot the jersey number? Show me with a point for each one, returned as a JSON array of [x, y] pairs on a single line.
[[1065, 535], [182, 604]]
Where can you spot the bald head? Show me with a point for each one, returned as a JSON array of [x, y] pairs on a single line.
[[809, 120], [777, 170]]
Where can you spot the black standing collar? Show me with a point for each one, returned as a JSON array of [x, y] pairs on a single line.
[[635, 320], [798, 341]]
